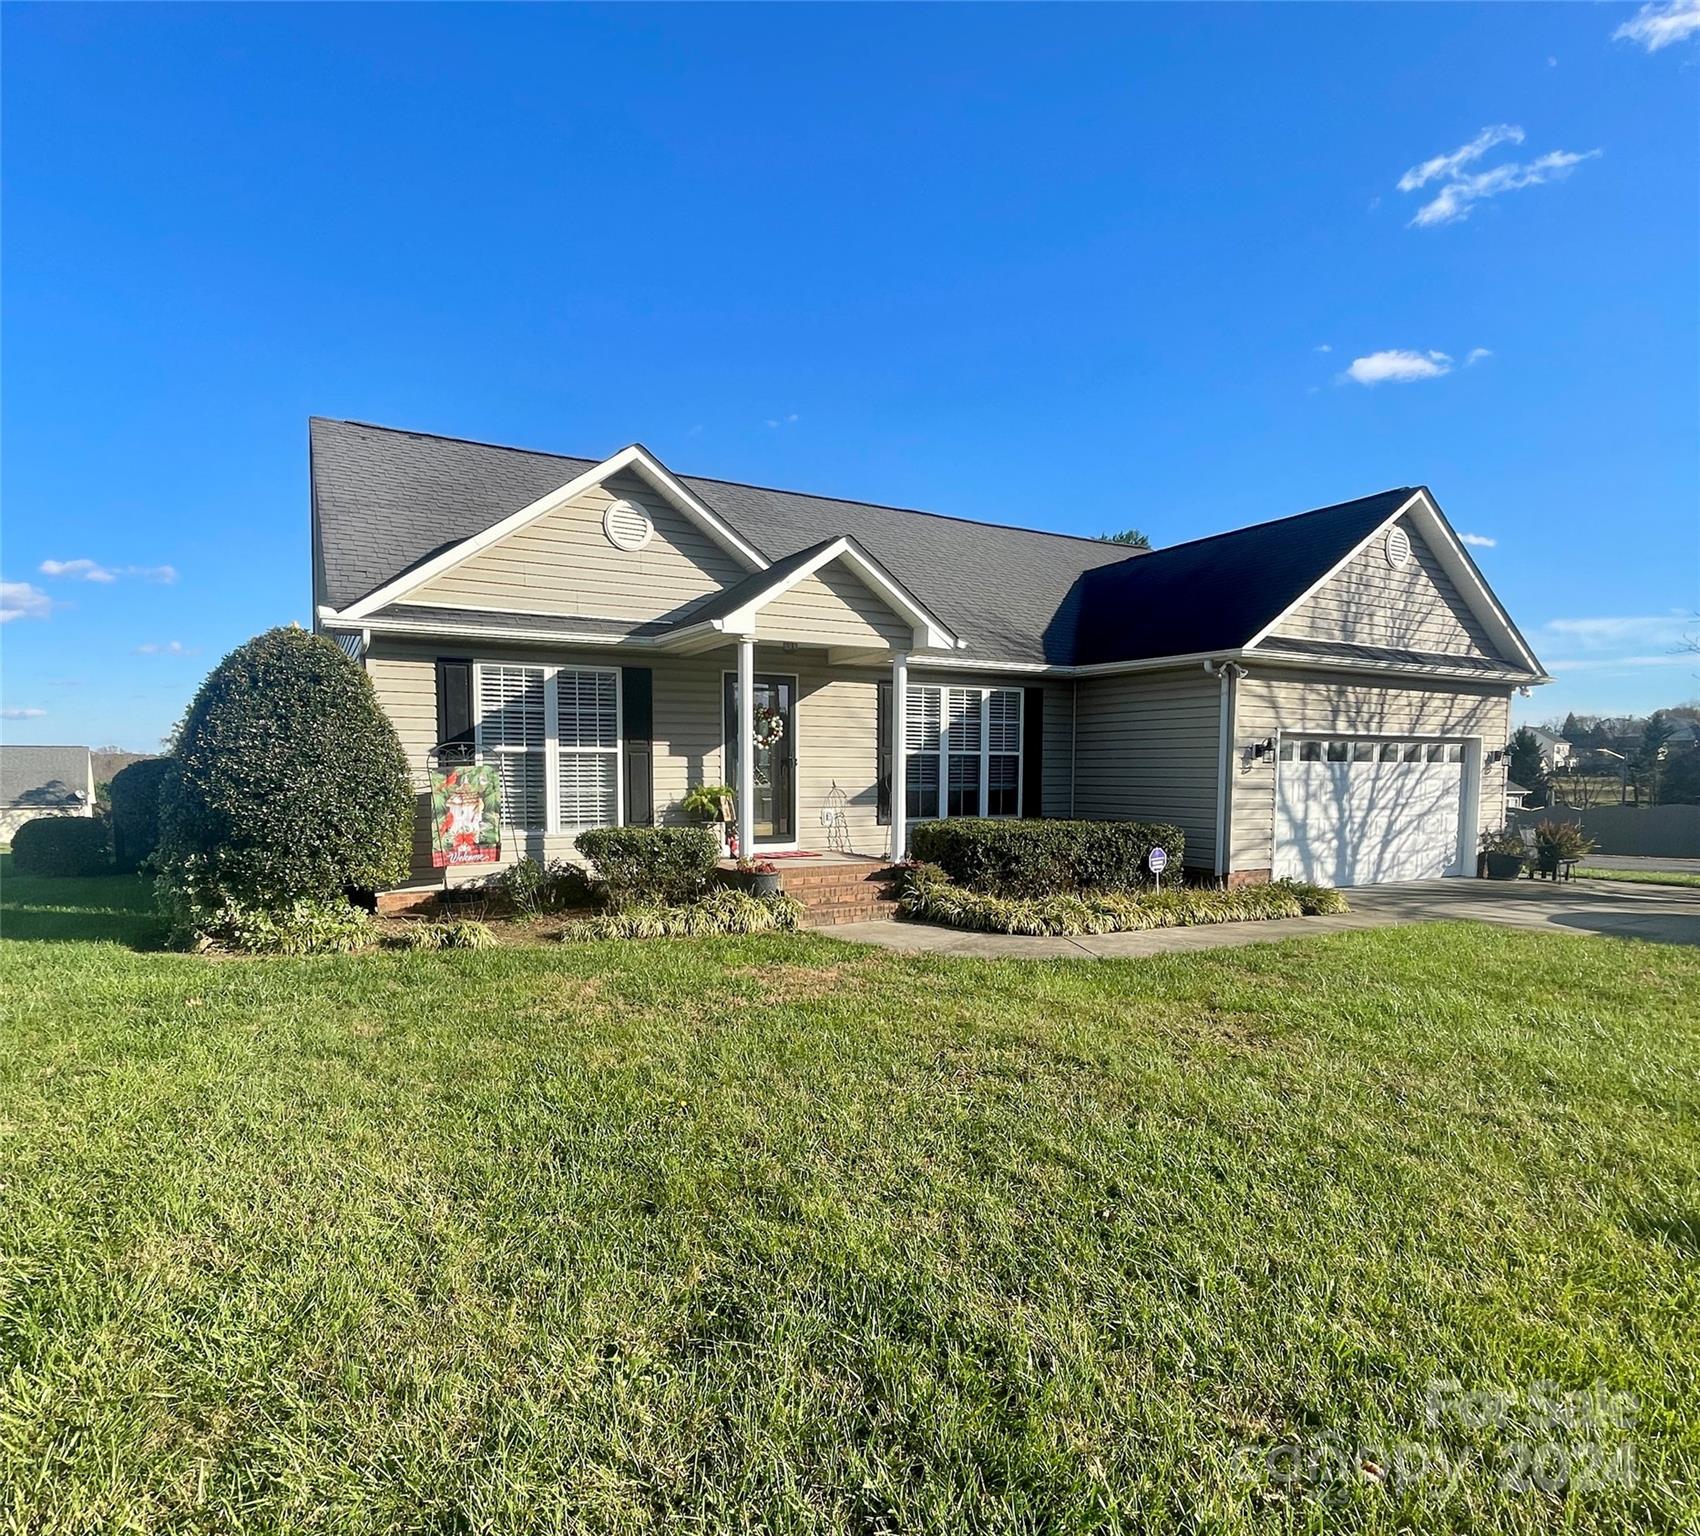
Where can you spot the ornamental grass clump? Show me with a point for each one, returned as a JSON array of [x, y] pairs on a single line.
[[460, 933], [929, 895], [289, 791], [720, 913]]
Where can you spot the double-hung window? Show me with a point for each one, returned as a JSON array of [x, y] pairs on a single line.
[[554, 735], [963, 751]]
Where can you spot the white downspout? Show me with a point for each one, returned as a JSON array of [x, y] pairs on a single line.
[[1227, 673]]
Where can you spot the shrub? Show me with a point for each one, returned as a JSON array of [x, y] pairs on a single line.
[[722, 912], [462, 933], [1039, 858], [300, 927], [1555, 840], [290, 784], [532, 888], [135, 794], [62, 845], [929, 895], [657, 865]]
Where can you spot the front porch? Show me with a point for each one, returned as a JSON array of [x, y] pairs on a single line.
[[837, 888]]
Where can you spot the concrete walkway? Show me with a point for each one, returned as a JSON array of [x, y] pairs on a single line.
[[1663, 914]]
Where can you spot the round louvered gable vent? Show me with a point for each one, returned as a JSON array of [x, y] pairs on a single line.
[[627, 525], [1398, 548]]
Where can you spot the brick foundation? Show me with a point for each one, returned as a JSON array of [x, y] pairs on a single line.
[[1238, 877]]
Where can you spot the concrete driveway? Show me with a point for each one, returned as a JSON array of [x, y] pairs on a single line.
[[1664, 914]]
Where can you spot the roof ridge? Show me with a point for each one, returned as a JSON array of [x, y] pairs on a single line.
[[742, 485], [1291, 517]]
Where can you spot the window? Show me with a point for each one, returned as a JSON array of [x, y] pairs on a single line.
[[512, 717], [963, 752], [554, 734], [1339, 751], [1436, 752], [1390, 751], [1363, 751], [1287, 749], [588, 733], [1413, 751], [1455, 753], [1310, 751]]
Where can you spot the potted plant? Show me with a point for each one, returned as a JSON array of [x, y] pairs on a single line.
[[760, 877], [1560, 843], [713, 804], [1503, 853]]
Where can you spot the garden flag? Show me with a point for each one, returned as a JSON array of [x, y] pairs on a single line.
[[466, 822]]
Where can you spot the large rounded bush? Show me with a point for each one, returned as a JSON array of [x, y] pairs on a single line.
[[62, 845], [135, 810], [288, 783]]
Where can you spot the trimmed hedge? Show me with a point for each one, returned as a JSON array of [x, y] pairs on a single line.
[[1041, 858], [134, 794], [927, 894], [664, 865], [62, 845], [290, 784]]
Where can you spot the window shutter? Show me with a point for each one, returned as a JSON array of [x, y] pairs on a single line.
[[637, 695], [1033, 753], [454, 703]]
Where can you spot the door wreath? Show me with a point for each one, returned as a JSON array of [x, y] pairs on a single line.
[[769, 728]]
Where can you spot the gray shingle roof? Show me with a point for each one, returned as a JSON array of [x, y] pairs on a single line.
[[45, 776], [385, 500]]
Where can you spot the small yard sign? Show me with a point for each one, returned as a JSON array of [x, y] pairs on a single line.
[[1157, 860], [466, 819]]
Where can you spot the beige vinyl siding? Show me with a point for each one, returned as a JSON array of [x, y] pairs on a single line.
[[836, 735], [563, 564], [1147, 748], [1267, 701], [1370, 603], [833, 606]]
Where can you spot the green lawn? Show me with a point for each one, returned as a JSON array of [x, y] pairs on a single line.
[[780, 1234], [1639, 876]]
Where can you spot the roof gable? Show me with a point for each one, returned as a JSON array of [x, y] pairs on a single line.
[[566, 562], [1215, 594]]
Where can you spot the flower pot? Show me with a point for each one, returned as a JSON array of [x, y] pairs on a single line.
[[1504, 866], [745, 880]]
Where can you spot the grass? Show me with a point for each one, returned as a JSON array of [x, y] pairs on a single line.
[[779, 1234], [1639, 876]]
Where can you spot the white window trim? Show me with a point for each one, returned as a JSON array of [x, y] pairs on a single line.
[[552, 823], [944, 753]]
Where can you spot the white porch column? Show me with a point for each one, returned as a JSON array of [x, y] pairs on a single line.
[[899, 754], [746, 785]]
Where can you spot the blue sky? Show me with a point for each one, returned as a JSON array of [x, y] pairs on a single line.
[[1075, 268]]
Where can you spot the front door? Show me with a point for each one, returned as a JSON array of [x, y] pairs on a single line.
[[775, 749]]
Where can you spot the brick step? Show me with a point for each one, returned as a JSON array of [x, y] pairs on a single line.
[[836, 917], [859, 901]]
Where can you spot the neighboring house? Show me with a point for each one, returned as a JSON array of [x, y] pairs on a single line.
[[1515, 795], [44, 781], [1321, 696], [1555, 751]]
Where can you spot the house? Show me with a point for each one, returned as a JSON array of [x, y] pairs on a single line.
[[1305, 697], [1555, 751], [44, 781], [1515, 795]]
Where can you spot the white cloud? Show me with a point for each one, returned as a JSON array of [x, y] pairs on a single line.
[[93, 570], [76, 570], [19, 600], [164, 648], [781, 421], [1476, 355], [1452, 164], [1552, 63], [1325, 347], [1657, 25], [1603, 663], [1458, 197], [22, 714], [1397, 367], [1479, 541]]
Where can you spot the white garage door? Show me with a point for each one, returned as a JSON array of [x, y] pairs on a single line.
[[1356, 812]]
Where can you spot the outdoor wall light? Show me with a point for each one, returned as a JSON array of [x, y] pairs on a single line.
[[1263, 748]]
